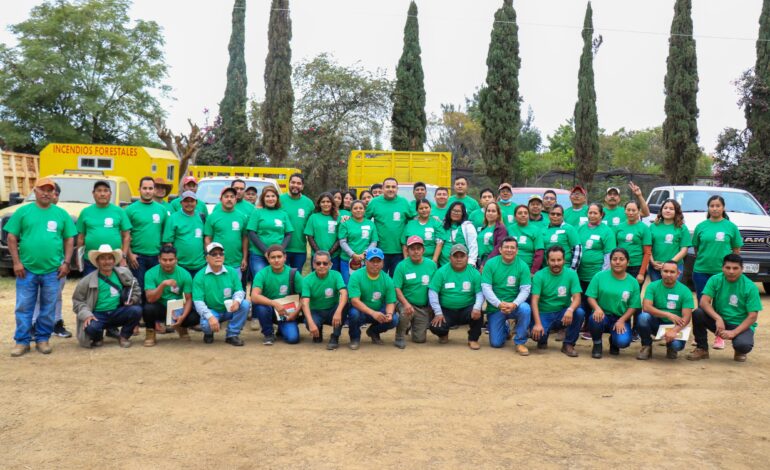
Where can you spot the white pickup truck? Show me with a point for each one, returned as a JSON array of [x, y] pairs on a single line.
[[743, 210]]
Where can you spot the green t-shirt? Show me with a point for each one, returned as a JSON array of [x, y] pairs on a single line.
[[214, 289], [374, 293], [456, 289], [477, 218], [597, 242], [390, 217], [414, 279], [227, 228], [243, 206], [276, 285], [613, 295], [453, 236], [323, 293], [185, 232], [439, 212], [530, 240], [358, 234], [576, 218], [200, 206], [671, 300], [270, 225], [555, 291], [714, 240], [108, 297], [156, 275], [345, 213], [323, 229], [541, 224], [564, 236], [486, 241], [166, 205], [733, 300], [431, 232], [506, 279], [614, 218], [470, 204], [41, 234], [667, 240], [103, 225], [147, 222], [633, 238], [508, 213], [299, 211]]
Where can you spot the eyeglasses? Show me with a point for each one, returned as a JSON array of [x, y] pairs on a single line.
[[217, 254], [322, 263]]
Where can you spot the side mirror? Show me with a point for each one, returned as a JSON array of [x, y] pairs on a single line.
[[654, 208]]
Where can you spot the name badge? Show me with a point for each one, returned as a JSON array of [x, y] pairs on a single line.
[[411, 276], [583, 220], [673, 297], [596, 237], [449, 285], [366, 227], [559, 232]]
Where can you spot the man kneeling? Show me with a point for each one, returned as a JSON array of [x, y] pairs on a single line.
[[271, 284], [372, 300], [324, 296]]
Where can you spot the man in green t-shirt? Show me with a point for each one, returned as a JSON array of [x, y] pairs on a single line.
[[372, 300], [411, 280], [666, 301], [190, 184], [390, 214], [441, 195], [324, 296], [729, 308], [228, 227], [506, 284], [147, 218], [219, 297], [163, 283], [251, 195], [162, 189], [275, 296], [102, 223], [556, 300], [460, 194], [40, 242], [577, 214], [298, 207], [615, 213], [184, 230], [455, 297], [242, 205]]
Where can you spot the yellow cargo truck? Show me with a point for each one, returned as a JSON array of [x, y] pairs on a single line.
[[366, 167], [131, 163], [280, 174], [18, 174]]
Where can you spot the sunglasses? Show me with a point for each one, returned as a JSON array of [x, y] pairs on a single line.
[[216, 254], [322, 263]]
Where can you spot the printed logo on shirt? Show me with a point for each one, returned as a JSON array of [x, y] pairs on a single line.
[[561, 291], [113, 292], [108, 222], [488, 238], [198, 233], [510, 218], [522, 240], [301, 213], [671, 305], [283, 290], [429, 233], [365, 234], [331, 226], [583, 220], [51, 226], [669, 238], [376, 295], [720, 237], [227, 292], [278, 222], [511, 281], [328, 292], [554, 238], [616, 221], [629, 237], [425, 279], [466, 286], [156, 218], [589, 244], [734, 300], [236, 225], [174, 289], [625, 295], [396, 216]]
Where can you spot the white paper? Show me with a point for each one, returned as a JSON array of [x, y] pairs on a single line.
[[174, 310], [683, 335]]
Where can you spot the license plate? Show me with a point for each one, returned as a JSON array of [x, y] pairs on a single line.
[[750, 268]]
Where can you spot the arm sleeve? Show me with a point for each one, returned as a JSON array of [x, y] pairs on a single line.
[[470, 239], [523, 294], [489, 294], [479, 301], [577, 256], [239, 296], [345, 247], [202, 309], [254, 238], [606, 264], [286, 239], [537, 262], [433, 300]]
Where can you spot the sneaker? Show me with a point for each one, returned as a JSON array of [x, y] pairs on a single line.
[[719, 343], [254, 325], [269, 340], [521, 350], [113, 333], [234, 340], [635, 337], [208, 338], [43, 347], [375, 337], [60, 331], [738, 357], [585, 335], [334, 343], [671, 353], [644, 353], [614, 350], [124, 342], [19, 350], [400, 343], [596, 352], [697, 354], [569, 350], [354, 344]]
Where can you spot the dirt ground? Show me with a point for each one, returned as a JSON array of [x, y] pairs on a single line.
[[215, 406]]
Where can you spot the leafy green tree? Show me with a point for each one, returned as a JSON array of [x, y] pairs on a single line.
[[586, 119], [82, 72], [757, 106], [499, 100], [232, 109], [408, 119], [680, 129], [278, 108]]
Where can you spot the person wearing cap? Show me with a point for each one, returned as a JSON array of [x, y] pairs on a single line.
[[241, 204], [529, 237], [218, 297], [372, 300], [506, 284], [577, 215], [455, 297], [103, 223], [536, 217], [267, 226], [356, 235], [390, 214], [250, 195], [190, 184], [162, 190], [147, 219], [107, 298], [411, 281], [184, 231], [428, 228], [477, 217], [227, 226], [324, 297], [40, 242], [505, 200], [167, 281], [298, 207], [441, 196], [615, 213], [271, 285]]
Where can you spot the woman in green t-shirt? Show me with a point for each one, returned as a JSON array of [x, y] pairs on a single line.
[[492, 233], [459, 230], [338, 196], [356, 236], [712, 239], [366, 196], [634, 236], [321, 228], [529, 236], [670, 239], [426, 227], [560, 233], [267, 225]]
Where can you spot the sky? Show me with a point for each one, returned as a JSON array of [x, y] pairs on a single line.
[[454, 36]]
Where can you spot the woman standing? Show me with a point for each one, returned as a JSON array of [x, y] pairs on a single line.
[[459, 230], [366, 196], [529, 236], [338, 198], [564, 235], [634, 236], [356, 235], [426, 227], [713, 238], [267, 225], [670, 239], [321, 228], [492, 233]]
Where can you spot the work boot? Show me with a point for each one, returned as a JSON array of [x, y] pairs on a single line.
[[596, 352], [569, 350], [19, 350], [697, 354], [375, 337], [183, 333], [43, 347], [671, 352], [234, 340], [738, 357], [521, 350], [149, 337], [644, 353]]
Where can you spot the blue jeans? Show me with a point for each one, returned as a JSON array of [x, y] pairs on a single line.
[[606, 326], [324, 317], [235, 320], [345, 270], [127, 317], [145, 264], [57, 310], [296, 260], [29, 289], [356, 319], [498, 326], [547, 319], [265, 315], [700, 280], [390, 262], [256, 264], [647, 325], [655, 274]]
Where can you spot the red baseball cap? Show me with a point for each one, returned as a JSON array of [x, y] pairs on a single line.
[[579, 188], [189, 179]]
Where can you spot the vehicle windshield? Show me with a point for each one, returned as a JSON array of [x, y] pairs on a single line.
[[76, 190], [697, 201], [209, 190], [523, 198], [405, 191]]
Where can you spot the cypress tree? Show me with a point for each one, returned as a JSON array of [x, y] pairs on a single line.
[[499, 100], [586, 120], [757, 107], [232, 108], [278, 108], [408, 117], [680, 129]]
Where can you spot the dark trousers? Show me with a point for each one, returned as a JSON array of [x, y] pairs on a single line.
[[145, 264], [325, 317], [127, 317], [460, 316], [156, 313], [390, 262], [742, 344]]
